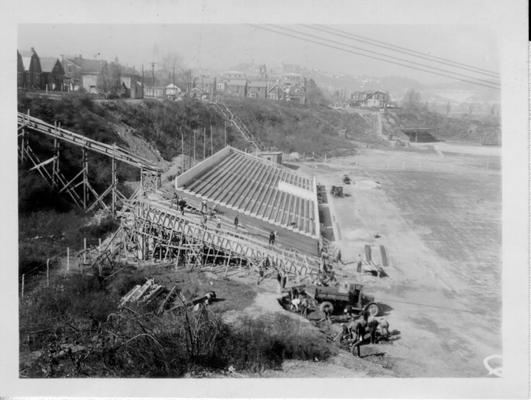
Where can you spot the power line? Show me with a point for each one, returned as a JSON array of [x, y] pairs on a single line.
[[482, 81], [490, 85], [404, 50]]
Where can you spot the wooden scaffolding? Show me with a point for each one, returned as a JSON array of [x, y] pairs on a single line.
[[78, 188], [152, 231]]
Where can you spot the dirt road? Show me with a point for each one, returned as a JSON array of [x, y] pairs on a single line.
[[440, 219]]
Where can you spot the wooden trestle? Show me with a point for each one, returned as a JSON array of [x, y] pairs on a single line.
[[153, 231], [87, 198]]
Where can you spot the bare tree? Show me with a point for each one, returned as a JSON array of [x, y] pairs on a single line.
[[412, 99]]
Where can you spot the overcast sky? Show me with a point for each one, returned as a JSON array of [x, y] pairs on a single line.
[[217, 46]]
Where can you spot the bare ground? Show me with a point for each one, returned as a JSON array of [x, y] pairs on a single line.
[[439, 217]]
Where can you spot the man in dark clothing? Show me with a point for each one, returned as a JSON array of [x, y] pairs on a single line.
[[182, 204], [236, 221], [372, 326], [272, 238], [358, 327], [176, 199]]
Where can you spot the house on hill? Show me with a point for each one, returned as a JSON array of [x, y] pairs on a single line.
[[205, 86], [52, 75], [29, 70], [295, 93], [83, 72], [236, 87], [173, 91], [371, 99], [257, 89], [274, 91], [233, 75], [131, 83]]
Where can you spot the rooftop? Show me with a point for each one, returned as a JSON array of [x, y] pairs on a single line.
[[87, 66], [236, 82], [258, 83], [48, 63]]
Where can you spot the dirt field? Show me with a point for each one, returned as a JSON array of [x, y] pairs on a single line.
[[439, 215]]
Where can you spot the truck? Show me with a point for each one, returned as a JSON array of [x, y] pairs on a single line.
[[344, 301]]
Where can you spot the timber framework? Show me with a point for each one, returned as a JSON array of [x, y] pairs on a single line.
[[78, 187]]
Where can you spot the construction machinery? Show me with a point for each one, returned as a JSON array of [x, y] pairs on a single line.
[[337, 191], [345, 301]]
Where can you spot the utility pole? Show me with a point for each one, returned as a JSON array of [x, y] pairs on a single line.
[[204, 143], [211, 146], [153, 72], [194, 146], [142, 80], [182, 150]]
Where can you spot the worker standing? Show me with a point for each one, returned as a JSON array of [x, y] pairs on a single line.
[[372, 326], [272, 238], [204, 207], [176, 199], [338, 256], [279, 280], [182, 204], [358, 327], [383, 328], [358, 269], [236, 221]]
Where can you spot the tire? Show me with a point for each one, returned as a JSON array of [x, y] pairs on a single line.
[[373, 309], [326, 307]]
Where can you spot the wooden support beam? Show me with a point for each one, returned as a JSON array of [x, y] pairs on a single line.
[[42, 164], [99, 199], [66, 185], [23, 144], [95, 194], [113, 183], [85, 177], [55, 166]]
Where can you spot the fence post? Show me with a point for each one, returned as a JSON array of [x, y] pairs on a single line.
[[48, 272], [22, 285], [68, 258]]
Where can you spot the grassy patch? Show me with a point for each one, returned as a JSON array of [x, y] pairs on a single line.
[[47, 234]]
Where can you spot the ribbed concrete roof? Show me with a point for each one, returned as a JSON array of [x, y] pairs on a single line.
[[257, 187]]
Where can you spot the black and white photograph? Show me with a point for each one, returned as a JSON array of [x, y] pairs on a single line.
[[229, 196]]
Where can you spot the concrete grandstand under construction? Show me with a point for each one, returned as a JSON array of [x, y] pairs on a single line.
[[266, 196]]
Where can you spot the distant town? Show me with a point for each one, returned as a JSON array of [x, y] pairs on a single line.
[[110, 79]]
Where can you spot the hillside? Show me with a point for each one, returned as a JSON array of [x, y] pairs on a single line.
[[153, 129], [293, 127], [285, 126]]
